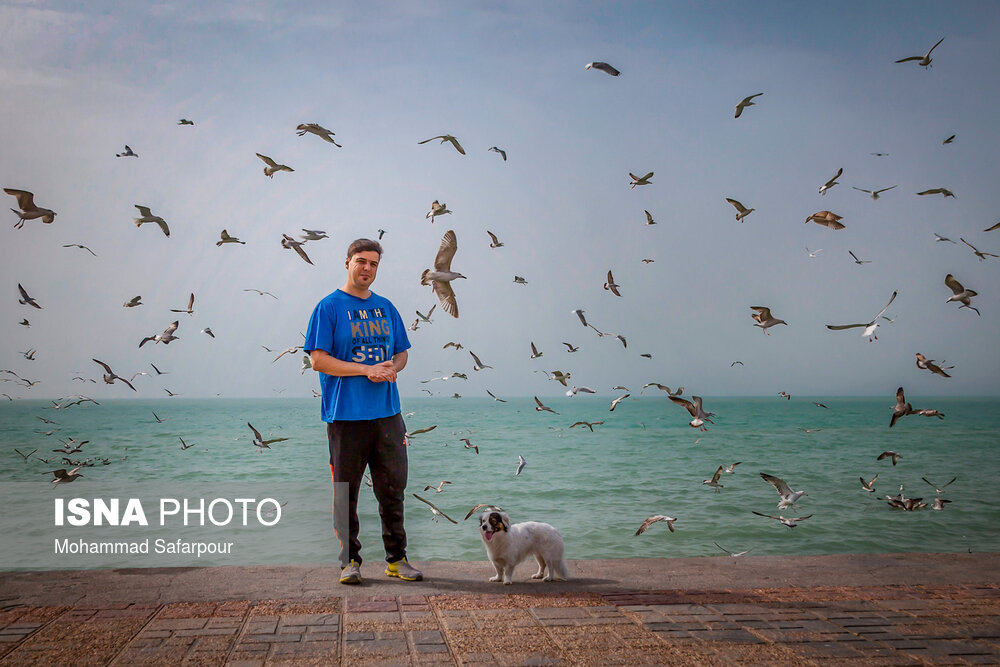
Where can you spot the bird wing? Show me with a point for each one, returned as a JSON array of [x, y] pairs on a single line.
[[445, 253], [763, 313], [903, 60], [934, 47], [891, 299], [25, 199], [435, 508], [270, 163], [458, 146], [106, 367], [718, 473], [540, 404], [955, 286], [163, 227], [739, 207], [493, 236], [172, 328], [839, 327], [24, 294], [647, 176], [886, 189], [974, 249], [144, 211], [686, 404], [440, 136], [778, 483], [302, 253], [767, 515], [868, 191], [649, 522], [851, 253], [446, 295], [256, 433]]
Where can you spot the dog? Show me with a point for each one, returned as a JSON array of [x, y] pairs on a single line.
[[508, 545]]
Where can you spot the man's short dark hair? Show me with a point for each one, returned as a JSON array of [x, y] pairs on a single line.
[[364, 245]]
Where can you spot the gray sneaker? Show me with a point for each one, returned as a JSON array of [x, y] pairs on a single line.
[[402, 569], [351, 574]]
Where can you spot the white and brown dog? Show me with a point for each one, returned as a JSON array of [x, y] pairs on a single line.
[[507, 545]]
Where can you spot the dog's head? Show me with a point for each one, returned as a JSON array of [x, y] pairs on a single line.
[[494, 522]]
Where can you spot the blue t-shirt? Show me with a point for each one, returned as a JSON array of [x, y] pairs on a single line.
[[367, 331]]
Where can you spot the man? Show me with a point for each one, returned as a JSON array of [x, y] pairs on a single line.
[[357, 342]]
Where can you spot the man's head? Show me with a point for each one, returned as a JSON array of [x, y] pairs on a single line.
[[363, 256]]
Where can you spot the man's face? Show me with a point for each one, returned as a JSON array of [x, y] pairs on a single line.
[[362, 267]]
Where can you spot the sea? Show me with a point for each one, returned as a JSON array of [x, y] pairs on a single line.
[[223, 501]]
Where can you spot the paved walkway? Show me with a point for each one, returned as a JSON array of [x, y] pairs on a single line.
[[898, 609]]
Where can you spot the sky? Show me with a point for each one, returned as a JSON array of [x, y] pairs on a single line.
[[79, 81]]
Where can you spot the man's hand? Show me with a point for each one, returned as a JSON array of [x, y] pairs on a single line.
[[383, 372]]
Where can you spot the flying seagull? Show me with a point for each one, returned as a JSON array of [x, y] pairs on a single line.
[[744, 103], [570, 347], [938, 238], [287, 242], [478, 366], [589, 425], [741, 210], [502, 152], [924, 363], [788, 497], [640, 181], [26, 202], [540, 407], [82, 247], [521, 462], [272, 166], [436, 210], [434, 510], [494, 241], [604, 67], [714, 480], [900, 409], [444, 138], [695, 409], [190, 307], [764, 318], [259, 442], [870, 485], [441, 276], [959, 293], [789, 521], [813, 253], [579, 313], [858, 261], [110, 376], [611, 286], [313, 235], [494, 397], [224, 237], [208, 330], [25, 299], [875, 193], [439, 488], [655, 519], [826, 219], [318, 130], [734, 554], [133, 302], [615, 402], [147, 216], [165, 337], [128, 152], [938, 191], [185, 121], [924, 60], [870, 327], [61, 476], [978, 254], [889, 454], [832, 182], [948, 140]]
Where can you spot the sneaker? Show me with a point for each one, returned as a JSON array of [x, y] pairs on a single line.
[[351, 574], [403, 570]]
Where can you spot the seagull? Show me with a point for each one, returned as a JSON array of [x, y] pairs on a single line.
[[604, 67], [184, 445], [468, 445], [959, 293], [764, 318], [381, 233], [655, 519], [158, 371], [939, 503], [647, 260], [158, 420], [649, 218], [924, 363], [980, 255], [26, 202], [519, 280], [579, 313], [924, 60], [928, 412], [732, 467], [313, 235], [734, 554], [788, 497], [521, 462], [147, 216], [272, 166], [889, 454], [133, 302], [190, 307], [61, 476], [82, 247], [25, 299], [832, 182], [418, 431], [714, 481], [938, 238], [494, 241], [110, 376], [24, 322], [288, 242], [790, 521], [292, 350], [663, 387], [165, 337], [589, 425], [457, 346], [640, 181], [699, 415], [318, 130], [26, 456], [938, 489], [534, 351], [559, 376], [426, 318], [870, 326], [444, 138], [441, 275], [611, 286], [858, 261], [570, 348], [208, 330], [539, 407], [820, 405], [870, 485], [901, 409], [785, 395], [948, 140], [741, 210], [226, 238], [439, 488], [502, 152], [185, 121], [260, 292], [127, 153], [875, 193], [813, 253], [436, 209], [259, 442], [614, 403], [434, 510], [826, 219], [991, 228], [498, 400], [737, 362], [938, 191], [744, 103], [478, 366]]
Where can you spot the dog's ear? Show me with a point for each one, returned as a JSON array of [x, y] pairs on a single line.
[[505, 520]]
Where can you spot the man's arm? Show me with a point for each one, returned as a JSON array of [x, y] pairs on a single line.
[[323, 362], [399, 360]]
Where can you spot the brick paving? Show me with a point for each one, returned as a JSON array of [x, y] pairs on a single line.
[[824, 625]]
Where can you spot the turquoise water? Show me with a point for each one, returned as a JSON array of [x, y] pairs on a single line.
[[597, 488]]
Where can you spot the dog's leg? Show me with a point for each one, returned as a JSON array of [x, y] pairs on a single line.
[[508, 575], [499, 570], [541, 569]]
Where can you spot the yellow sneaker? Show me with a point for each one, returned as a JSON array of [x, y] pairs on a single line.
[[403, 570], [351, 574]]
